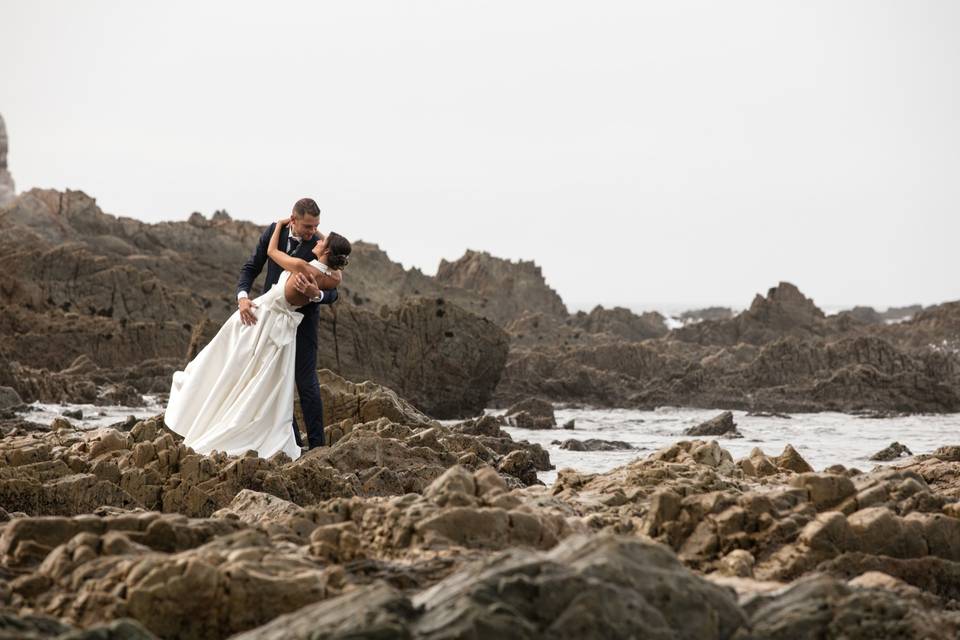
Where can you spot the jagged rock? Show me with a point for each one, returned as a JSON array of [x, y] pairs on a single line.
[[593, 444], [532, 413], [738, 563], [933, 575], [622, 323], [524, 420], [253, 506], [892, 452], [721, 425], [790, 460], [119, 394], [569, 424], [536, 407], [784, 310], [505, 289], [825, 489], [365, 402], [520, 464]]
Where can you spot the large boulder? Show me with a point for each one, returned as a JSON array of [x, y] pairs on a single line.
[[444, 360]]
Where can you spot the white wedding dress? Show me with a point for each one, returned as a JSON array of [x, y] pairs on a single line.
[[237, 394]]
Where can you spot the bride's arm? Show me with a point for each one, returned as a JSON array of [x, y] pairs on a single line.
[[287, 263]]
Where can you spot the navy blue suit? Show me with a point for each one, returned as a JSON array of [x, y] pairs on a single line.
[[306, 361]]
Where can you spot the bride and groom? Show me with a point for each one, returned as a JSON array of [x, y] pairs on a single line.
[[237, 393]]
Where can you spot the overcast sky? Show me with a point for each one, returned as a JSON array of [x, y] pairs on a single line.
[[643, 153]]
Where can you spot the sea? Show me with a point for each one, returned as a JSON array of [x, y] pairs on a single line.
[[823, 439]]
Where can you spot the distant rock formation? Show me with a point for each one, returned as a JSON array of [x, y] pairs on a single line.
[[784, 311], [869, 315], [505, 290], [783, 354], [707, 313], [7, 190], [622, 322]]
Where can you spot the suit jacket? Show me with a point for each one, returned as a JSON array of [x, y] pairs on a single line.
[[254, 265]]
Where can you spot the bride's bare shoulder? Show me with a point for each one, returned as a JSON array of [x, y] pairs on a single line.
[[325, 277]]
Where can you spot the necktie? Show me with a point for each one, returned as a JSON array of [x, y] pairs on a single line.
[[293, 243]]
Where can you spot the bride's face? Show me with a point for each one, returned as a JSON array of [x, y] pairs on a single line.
[[321, 247]]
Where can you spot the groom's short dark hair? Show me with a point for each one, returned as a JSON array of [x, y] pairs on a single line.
[[306, 207]]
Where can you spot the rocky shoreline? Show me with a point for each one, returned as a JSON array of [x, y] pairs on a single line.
[[406, 527]]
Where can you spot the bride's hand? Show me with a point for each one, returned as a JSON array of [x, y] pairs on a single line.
[[282, 222]]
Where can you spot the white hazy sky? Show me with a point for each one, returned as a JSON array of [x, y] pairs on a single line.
[[643, 153]]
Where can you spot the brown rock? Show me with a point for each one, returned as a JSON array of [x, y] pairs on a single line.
[[721, 425], [790, 460]]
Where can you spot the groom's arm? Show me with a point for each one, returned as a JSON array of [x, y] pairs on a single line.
[[328, 296], [254, 264]]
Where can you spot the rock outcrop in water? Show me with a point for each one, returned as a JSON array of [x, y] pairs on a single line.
[[409, 528]]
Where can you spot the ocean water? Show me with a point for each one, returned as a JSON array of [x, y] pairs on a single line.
[[823, 439], [93, 416]]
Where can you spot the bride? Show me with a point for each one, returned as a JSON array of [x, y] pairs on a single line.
[[237, 394]]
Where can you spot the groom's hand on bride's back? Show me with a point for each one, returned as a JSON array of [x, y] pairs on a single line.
[[247, 318]]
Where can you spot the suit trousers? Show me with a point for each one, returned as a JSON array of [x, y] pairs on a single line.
[[308, 388]]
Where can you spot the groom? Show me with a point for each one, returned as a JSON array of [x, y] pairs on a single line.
[[297, 239]]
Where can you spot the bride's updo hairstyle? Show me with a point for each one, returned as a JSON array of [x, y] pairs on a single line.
[[339, 248]]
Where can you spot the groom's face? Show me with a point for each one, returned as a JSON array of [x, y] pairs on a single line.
[[305, 226]]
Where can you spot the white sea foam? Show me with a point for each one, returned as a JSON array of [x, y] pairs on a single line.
[[93, 416], [823, 439]]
